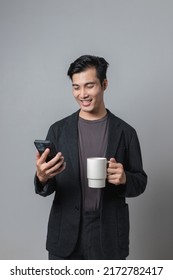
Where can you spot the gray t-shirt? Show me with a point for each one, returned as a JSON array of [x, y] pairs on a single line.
[[93, 137]]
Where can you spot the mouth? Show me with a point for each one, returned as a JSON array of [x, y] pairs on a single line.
[[86, 102]]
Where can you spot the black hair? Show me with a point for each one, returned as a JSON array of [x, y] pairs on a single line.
[[85, 62]]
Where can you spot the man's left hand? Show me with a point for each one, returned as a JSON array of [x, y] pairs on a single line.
[[115, 173]]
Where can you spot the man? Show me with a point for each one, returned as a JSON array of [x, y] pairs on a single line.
[[88, 223]]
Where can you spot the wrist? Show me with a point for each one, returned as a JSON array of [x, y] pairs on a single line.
[[42, 180]]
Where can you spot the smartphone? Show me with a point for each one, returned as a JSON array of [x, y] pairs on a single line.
[[42, 145]]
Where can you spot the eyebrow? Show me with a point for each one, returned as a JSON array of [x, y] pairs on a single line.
[[88, 83]]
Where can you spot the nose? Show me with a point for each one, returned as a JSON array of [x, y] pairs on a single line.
[[83, 93]]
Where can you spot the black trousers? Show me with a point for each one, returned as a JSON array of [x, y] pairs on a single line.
[[89, 243]]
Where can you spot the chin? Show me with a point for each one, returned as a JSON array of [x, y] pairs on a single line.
[[88, 110]]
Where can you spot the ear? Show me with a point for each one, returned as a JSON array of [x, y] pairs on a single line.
[[105, 84]]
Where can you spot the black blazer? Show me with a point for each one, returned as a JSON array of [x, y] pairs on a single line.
[[63, 225]]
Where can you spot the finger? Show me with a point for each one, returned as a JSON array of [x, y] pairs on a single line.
[[44, 155], [111, 171], [114, 179], [113, 160], [112, 163], [55, 160], [116, 168], [117, 178], [54, 165], [37, 155], [58, 168]]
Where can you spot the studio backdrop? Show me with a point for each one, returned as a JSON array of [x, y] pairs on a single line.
[[39, 39]]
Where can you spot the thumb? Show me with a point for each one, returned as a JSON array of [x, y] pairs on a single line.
[[113, 160]]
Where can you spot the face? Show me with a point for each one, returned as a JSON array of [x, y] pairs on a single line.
[[88, 92]]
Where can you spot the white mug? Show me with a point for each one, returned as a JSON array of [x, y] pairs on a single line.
[[96, 172]]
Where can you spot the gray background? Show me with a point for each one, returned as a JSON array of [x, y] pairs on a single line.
[[38, 41]]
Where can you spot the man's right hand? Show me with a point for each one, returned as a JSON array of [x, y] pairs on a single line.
[[47, 170]]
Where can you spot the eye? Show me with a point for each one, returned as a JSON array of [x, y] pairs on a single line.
[[90, 85], [75, 87]]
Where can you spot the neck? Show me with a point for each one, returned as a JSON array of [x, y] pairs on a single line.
[[93, 115]]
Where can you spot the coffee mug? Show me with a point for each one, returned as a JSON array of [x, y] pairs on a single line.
[[96, 172]]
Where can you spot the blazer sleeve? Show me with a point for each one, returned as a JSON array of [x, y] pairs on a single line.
[[136, 178]]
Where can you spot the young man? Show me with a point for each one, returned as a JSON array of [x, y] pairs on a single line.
[[89, 223]]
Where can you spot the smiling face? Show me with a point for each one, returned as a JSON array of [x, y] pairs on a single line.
[[89, 93]]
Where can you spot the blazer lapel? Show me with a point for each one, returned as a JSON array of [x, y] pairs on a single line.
[[71, 141], [114, 135]]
